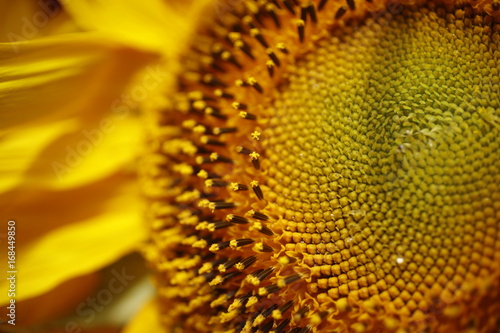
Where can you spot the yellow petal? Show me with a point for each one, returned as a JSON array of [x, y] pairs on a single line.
[[62, 76], [146, 320], [62, 300], [43, 211], [89, 154], [19, 150], [151, 25], [26, 20], [76, 249]]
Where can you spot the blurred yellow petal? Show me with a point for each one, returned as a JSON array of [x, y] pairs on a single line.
[[18, 150], [87, 155], [43, 211], [29, 19], [79, 248], [62, 300], [61, 76], [146, 320], [154, 26], [67, 153]]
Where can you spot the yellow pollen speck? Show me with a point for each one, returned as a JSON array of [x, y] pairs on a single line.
[[200, 129], [218, 301], [228, 316], [214, 248], [189, 123], [258, 320], [183, 169], [200, 244], [188, 196], [258, 247], [276, 314], [214, 156], [234, 186], [284, 260], [199, 105], [255, 135], [235, 305], [205, 268], [262, 291], [216, 281], [202, 174], [252, 280], [281, 283], [252, 301], [203, 203], [254, 155]]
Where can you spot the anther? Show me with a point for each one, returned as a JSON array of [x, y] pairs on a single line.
[[208, 141], [299, 314], [256, 189], [211, 80], [236, 243], [270, 67], [261, 247], [270, 8], [243, 150], [245, 263], [218, 246], [215, 183], [263, 274], [312, 12], [227, 56], [239, 106], [253, 82], [221, 224], [245, 48], [301, 29], [322, 4], [238, 187], [257, 215], [223, 94], [269, 290], [289, 6], [303, 14], [221, 205], [236, 219], [263, 229], [257, 35], [273, 57], [210, 111], [254, 157], [282, 326], [340, 12], [282, 48], [247, 115], [351, 4], [222, 130], [228, 264]]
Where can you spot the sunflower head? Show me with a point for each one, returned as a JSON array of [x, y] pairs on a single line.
[[331, 166]]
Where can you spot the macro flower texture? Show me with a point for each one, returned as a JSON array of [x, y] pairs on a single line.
[[281, 166]]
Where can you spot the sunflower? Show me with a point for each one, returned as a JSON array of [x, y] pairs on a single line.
[[309, 166]]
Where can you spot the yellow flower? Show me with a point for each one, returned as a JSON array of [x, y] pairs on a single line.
[[309, 165]]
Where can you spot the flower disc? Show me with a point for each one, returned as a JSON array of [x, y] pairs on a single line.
[[331, 166]]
